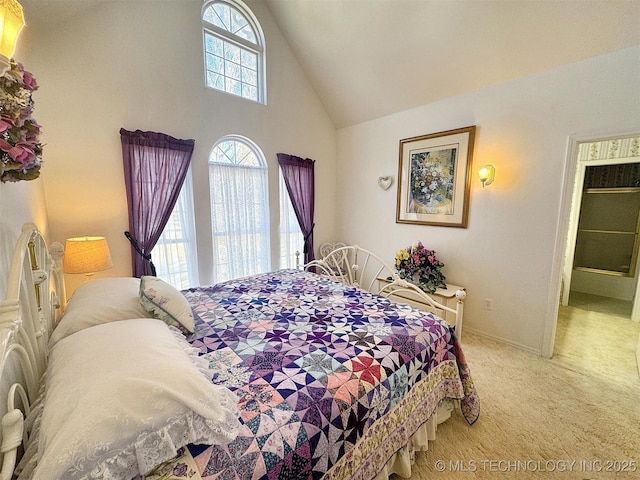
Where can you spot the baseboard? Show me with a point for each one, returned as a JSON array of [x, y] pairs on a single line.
[[505, 341]]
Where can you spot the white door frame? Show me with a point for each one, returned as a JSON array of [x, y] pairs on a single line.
[[571, 192]]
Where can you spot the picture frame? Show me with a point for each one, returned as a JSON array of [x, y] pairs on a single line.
[[434, 178]]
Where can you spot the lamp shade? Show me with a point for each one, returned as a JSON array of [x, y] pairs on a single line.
[[11, 23], [86, 255]]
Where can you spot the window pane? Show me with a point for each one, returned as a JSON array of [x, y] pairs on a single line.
[[231, 52], [240, 26], [249, 77], [232, 70], [233, 86], [174, 256], [214, 80], [291, 239], [215, 64], [219, 15], [214, 45], [249, 92], [249, 59], [247, 33], [246, 156]]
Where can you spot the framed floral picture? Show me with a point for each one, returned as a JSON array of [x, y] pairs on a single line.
[[434, 177]]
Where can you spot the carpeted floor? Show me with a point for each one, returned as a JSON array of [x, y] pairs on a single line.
[[576, 416]]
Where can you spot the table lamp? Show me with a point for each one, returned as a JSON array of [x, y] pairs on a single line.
[[11, 23], [86, 255]]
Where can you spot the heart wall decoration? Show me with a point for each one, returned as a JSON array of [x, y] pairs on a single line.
[[385, 182]]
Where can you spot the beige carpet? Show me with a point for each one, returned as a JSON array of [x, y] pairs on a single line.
[[576, 416]]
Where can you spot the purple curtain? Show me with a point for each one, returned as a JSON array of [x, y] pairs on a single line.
[[298, 174], [155, 166]]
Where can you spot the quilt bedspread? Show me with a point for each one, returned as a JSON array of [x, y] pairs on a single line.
[[319, 367]]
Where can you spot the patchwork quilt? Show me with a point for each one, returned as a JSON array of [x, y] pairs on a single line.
[[331, 380]]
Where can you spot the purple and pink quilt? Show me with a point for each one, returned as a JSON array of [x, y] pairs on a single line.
[[320, 368]]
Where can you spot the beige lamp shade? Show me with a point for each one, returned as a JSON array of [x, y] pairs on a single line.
[[86, 255], [11, 23]]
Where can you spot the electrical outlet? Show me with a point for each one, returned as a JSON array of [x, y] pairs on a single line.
[[488, 303]]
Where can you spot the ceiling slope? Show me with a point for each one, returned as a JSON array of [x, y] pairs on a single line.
[[371, 58]]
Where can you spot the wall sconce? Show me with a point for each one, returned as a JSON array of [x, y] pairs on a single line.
[[11, 23], [86, 255], [487, 175]]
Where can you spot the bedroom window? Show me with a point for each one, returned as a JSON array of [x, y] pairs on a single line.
[[239, 209], [175, 253], [233, 50], [291, 238]]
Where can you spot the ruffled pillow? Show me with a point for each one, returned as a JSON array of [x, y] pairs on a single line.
[[121, 398], [166, 303]]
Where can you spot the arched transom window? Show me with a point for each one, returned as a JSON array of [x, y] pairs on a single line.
[[233, 50]]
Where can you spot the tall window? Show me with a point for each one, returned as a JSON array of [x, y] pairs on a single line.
[[291, 238], [233, 50], [239, 209], [175, 255]]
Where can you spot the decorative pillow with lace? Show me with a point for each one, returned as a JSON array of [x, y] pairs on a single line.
[[123, 397]]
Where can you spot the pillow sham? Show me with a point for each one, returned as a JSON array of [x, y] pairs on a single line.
[[100, 301], [121, 398], [166, 303]]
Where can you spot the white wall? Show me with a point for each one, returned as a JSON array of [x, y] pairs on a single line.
[[622, 288], [523, 128], [20, 202], [138, 65]]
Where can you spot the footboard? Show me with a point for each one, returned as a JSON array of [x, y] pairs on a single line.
[[355, 266]]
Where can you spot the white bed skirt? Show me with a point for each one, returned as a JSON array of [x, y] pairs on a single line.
[[402, 461]]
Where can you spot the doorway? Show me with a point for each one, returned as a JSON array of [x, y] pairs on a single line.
[[590, 151], [600, 267]]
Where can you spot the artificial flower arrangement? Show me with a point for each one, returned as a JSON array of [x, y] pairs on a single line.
[[20, 149], [420, 265]]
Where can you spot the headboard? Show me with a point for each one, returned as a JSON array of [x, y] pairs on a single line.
[[27, 316]]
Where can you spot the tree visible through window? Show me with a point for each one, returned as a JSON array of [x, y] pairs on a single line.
[[233, 49], [239, 209]]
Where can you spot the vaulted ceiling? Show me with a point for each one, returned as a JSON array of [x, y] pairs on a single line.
[[371, 58]]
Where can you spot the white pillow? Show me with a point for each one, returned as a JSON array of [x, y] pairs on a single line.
[[122, 397], [100, 301], [166, 303]]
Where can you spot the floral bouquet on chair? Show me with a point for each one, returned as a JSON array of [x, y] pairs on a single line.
[[419, 265], [20, 149]]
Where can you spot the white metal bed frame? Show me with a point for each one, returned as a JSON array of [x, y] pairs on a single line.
[[27, 317], [34, 287], [355, 266]]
